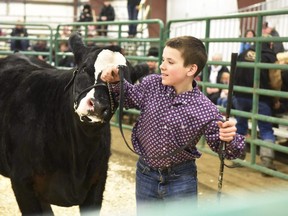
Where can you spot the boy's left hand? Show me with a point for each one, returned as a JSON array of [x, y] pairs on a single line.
[[227, 130]]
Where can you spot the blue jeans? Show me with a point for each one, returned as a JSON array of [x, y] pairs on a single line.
[[132, 15], [222, 102], [265, 128], [162, 188], [19, 45]]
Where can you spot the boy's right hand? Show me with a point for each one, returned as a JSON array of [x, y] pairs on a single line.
[[110, 75]]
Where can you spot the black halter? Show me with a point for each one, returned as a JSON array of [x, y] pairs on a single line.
[[113, 107]]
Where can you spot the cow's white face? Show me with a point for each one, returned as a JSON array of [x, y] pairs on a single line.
[[105, 59]]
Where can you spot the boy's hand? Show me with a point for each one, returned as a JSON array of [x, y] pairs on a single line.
[[110, 75], [227, 130]]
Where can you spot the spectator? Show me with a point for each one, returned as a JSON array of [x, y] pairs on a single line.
[[214, 76], [243, 101], [66, 31], [145, 68], [270, 30], [66, 60], [41, 46], [222, 100], [86, 14], [19, 44], [281, 106], [90, 41], [247, 45], [133, 9], [107, 14]]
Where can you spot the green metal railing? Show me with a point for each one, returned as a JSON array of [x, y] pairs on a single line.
[[117, 28], [48, 37], [203, 29], [205, 26]]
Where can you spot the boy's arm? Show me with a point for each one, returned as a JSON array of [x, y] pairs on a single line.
[[235, 143]]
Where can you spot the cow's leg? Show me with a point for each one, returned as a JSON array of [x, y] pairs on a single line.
[[27, 200], [94, 198]]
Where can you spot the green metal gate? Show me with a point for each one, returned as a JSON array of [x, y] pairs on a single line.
[[204, 28]]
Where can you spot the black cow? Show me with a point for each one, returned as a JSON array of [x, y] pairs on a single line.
[[55, 133]]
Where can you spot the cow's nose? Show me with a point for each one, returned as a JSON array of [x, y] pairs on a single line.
[[99, 108]]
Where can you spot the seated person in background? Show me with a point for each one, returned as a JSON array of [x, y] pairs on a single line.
[[278, 46], [107, 14], [243, 101], [19, 44], [66, 31], [66, 60], [145, 68], [41, 46], [222, 100], [214, 76], [281, 106], [89, 42], [247, 45]]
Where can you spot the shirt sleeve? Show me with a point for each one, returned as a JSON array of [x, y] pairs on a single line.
[[233, 149], [134, 95]]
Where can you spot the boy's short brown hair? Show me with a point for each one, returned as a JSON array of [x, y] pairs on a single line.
[[192, 49]]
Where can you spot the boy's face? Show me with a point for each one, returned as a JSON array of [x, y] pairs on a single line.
[[173, 72]]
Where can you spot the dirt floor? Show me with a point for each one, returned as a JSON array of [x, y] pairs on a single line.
[[119, 196]]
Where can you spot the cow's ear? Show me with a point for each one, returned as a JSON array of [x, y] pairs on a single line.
[[77, 46], [128, 71]]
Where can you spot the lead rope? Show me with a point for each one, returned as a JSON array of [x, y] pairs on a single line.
[[228, 109]]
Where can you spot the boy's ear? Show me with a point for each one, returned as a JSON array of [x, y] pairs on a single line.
[[192, 70]]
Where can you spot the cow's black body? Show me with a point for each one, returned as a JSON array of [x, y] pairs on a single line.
[[50, 155]]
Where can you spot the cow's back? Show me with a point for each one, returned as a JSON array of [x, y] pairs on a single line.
[[28, 95]]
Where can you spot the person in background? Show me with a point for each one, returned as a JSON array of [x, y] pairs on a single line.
[[281, 106], [66, 60], [141, 70], [19, 44], [66, 31], [172, 112], [107, 13], [247, 45], [278, 46], [222, 100], [41, 46], [86, 14], [243, 101], [133, 9], [214, 76], [90, 43]]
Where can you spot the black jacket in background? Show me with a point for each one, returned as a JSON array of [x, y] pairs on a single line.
[[245, 76], [107, 11]]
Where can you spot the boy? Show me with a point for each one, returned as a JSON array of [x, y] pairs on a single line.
[[173, 111]]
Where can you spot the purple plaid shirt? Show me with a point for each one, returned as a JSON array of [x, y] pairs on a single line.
[[168, 121]]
